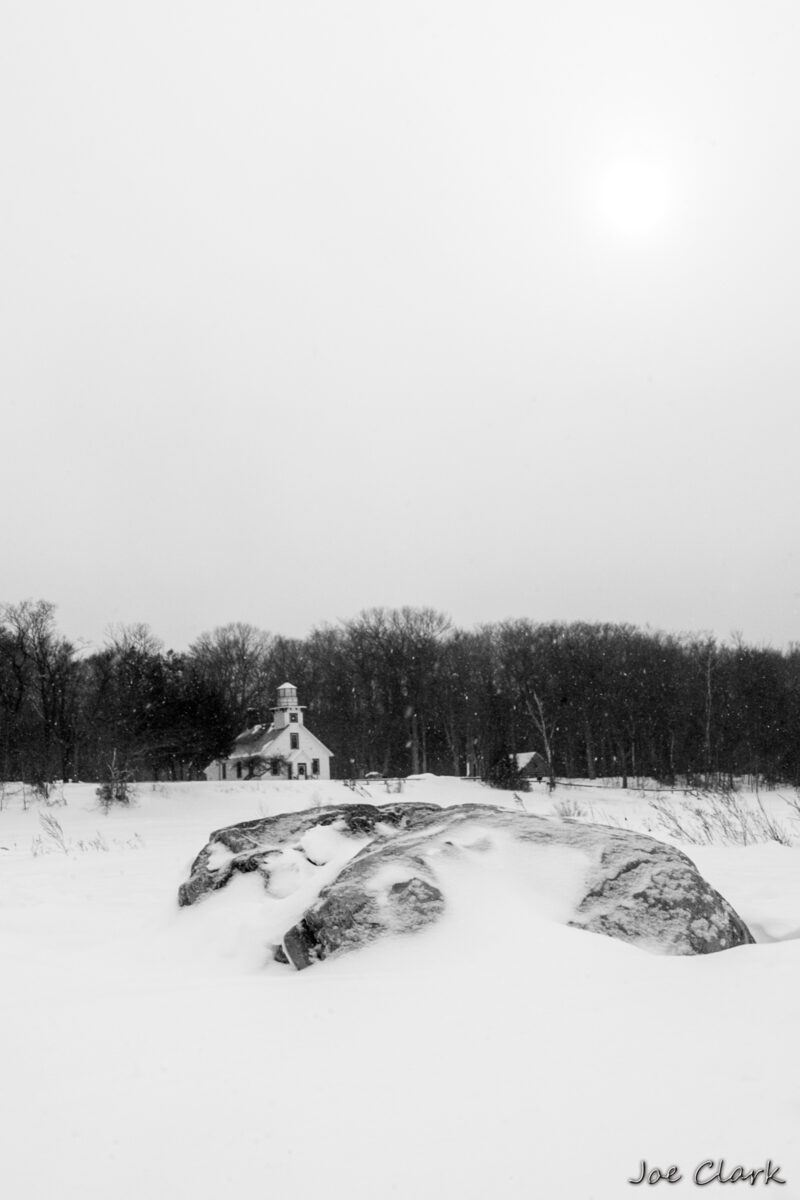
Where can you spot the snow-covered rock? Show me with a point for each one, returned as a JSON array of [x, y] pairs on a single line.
[[363, 871], [263, 845]]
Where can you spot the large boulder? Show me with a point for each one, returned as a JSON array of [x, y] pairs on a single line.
[[384, 869], [260, 845]]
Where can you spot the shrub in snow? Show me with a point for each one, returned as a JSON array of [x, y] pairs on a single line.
[[569, 808], [506, 774], [708, 818], [118, 786]]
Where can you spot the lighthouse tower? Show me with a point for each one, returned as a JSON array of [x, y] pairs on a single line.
[[287, 711]]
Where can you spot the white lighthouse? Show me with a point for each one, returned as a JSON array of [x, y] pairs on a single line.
[[287, 711], [286, 749]]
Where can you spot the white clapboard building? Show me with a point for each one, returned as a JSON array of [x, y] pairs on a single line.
[[285, 749]]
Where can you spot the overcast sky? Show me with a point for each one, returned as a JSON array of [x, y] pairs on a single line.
[[309, 307]]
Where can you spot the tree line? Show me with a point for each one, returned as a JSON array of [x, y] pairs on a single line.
[[402, 691]]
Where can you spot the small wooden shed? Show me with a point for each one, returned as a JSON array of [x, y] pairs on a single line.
[[533, 765]]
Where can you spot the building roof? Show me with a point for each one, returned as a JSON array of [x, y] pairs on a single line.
[[259, 742], [252, 734], [254, 741], [526, 757]]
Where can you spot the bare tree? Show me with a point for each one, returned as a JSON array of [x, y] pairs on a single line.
[[235, 658], [39, 691], [137, 637]]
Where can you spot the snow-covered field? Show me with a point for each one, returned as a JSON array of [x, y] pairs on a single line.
[[148, 1050]]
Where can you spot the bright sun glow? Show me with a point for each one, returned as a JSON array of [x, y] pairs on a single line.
[[636, 197]]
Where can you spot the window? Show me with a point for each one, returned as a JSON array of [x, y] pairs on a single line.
[[276, 766], [301, 770], [315, 766], [294, 741], [293, 717]]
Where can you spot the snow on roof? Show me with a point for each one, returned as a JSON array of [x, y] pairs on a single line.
[[254, 741], [251, 734], [526, 756]]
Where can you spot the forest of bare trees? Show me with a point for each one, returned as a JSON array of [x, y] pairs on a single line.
[[402, 691]]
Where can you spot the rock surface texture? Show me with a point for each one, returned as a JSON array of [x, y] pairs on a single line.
[[379, 871]]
